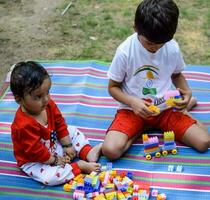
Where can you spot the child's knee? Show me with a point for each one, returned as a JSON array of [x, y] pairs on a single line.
[[112, 151], [203, 145]]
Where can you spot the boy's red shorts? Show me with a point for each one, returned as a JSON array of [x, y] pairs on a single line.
[[127, 122]]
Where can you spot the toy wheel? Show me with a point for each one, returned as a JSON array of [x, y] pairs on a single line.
[[148, 157], [174, 151], [165, 153], [157, 155]]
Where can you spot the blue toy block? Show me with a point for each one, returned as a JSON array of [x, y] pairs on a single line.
[[129, 175], [109, 166]]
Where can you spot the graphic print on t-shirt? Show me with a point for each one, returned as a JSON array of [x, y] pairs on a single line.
[[149, 73]]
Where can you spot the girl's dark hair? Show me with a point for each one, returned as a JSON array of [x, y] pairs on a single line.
[[157, 20], [26, 77]]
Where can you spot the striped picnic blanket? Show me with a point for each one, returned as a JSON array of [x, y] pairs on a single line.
[[80, 90]]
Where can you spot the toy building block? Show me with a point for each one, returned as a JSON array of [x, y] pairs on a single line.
[[170, 168], [154, 193], [151, 146], [122, 174], [111, 195], [103, 168], [169, 145], [109, 166], [106, 178], [80, 176], [78, 194], [174, 95], [92, 195], [100, 197], [179, 168], [67, 187], [127, 181], [120, 195], [129, 175], [113, 173], [167, 101], [161, 196], [154, 109], [107, 185], [93, 174]]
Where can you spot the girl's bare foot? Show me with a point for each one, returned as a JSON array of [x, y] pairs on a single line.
[[94, 153], [88, 167]]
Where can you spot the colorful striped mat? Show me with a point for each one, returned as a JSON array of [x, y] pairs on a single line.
[[80, 90]]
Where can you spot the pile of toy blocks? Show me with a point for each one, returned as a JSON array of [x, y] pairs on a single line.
[[107, 185]]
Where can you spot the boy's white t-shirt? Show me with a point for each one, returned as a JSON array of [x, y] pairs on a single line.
[[144, 74]]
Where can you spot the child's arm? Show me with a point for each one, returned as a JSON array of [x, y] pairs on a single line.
[[67, 147], [62, 131], [56, 160], [180, 83], [138, 105]]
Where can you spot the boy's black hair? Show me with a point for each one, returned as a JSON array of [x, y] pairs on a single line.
[[26, 77], [157, 20]]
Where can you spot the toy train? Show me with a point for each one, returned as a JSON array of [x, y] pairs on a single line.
[[153, 149]]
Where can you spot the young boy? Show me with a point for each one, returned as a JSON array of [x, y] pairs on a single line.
[[144, 67], [43, 144]]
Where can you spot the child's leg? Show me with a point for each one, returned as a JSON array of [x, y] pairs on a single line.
[[56, 175], [77, 137], [49, 175], [124, 130], [192, 103], [82, 147], [189, 131], [197, 137], [94, 154], [116, 144], [88, 167]]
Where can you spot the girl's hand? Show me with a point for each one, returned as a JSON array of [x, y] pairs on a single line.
[[70, 152], [67, 158], [61, 161]]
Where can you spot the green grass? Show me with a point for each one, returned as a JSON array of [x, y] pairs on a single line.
[[111, 21], [193, 33], [104, 20]]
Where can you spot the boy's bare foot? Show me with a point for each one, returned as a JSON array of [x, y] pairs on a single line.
[[192, 103], [94, 153], [88, 167]]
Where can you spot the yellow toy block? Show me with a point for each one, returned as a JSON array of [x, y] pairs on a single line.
[[170, 102], [130, 190], [145, 137], [80, 176], [110, 186], [113, 173], [100, 197], [154, 109], [169, 135], [67, 187]]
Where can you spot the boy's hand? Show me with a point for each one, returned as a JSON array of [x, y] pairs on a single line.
[[140, 107], [186, 96]]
